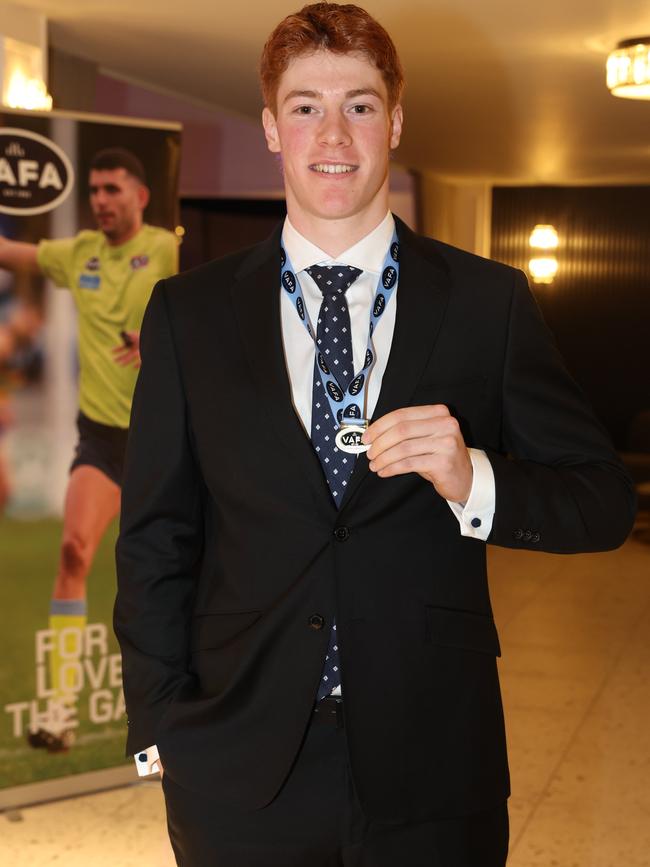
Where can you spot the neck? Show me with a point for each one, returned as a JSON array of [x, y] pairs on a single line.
[[333, 236], [118, 240]]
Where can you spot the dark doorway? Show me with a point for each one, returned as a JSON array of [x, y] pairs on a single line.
[[216, 227]]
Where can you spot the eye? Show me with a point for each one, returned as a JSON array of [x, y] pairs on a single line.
[[304, 109], [361, 109]]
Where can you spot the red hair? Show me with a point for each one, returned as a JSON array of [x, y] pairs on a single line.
[[342, 29]]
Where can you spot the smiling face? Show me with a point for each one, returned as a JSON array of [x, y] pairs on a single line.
[[334, 131], [117, 200]]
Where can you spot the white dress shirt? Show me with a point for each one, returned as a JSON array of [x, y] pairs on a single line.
[[368, 255]]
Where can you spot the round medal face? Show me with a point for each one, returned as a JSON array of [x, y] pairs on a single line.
[[348, 439]]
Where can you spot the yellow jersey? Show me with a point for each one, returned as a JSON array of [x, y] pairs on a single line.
[[111, 287]]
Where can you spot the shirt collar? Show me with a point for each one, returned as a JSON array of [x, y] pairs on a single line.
[[116, 252], [368, 254]]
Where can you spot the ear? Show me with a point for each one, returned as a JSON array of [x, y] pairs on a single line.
[[143, 196], [271, 131], [397, 118]]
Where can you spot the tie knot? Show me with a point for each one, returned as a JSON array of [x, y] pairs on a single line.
[[333, 278]]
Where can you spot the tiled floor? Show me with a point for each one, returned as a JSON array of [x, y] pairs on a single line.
[[576, 675]]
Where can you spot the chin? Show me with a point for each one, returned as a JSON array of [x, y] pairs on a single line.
[[341, 211]]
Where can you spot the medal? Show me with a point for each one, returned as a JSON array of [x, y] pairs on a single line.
[[348, 437]]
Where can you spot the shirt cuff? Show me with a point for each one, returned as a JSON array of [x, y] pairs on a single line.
[[476, 515], [148, 761]]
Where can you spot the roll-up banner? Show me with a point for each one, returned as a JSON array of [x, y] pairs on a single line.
[[62, 720]]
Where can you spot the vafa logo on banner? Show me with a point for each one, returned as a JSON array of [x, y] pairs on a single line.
[[35, 174]]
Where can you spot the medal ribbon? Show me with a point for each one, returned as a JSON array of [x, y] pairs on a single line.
[[347, 404]]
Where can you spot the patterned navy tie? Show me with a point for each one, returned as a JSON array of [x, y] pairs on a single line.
[[334, 342]]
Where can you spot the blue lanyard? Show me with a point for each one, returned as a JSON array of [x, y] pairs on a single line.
[[351, 403]]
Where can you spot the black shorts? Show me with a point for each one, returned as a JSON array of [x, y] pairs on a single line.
[[101, 446]]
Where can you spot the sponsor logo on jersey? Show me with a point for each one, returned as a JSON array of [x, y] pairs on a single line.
[[92, 264], [138, 262], [35, 174], [89, 281]]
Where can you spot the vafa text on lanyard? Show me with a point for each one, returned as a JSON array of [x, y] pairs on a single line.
[[349, 406]]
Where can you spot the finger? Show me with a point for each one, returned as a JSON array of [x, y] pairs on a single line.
[[401, 430], [126, 357], [421, 464], [440, 425], [407, 413], [429, 446]]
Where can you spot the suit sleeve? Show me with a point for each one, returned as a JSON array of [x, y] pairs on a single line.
[[160, 541], [562, 487]]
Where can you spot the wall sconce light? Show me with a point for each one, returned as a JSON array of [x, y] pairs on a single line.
[[628, 69], [544, 237], [543, 269], [23, 86]]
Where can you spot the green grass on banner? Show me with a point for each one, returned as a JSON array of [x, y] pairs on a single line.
[[28, 557]]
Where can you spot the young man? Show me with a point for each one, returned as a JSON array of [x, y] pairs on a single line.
[[306, 629], [111, 272]]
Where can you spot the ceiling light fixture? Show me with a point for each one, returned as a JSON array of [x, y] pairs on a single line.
[[27, 93], [21, 76], [628, 69]]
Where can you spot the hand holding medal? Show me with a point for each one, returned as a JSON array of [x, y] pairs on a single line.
[[426, 440]]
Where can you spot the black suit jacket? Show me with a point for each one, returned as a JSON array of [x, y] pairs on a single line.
[[230, 541]]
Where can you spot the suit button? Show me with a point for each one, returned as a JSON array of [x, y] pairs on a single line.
[[535, 537], [342, 533], [316, 621], [518, 534], [528, 536]]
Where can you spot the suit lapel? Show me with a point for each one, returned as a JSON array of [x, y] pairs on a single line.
[[256, 301], [422, 297]]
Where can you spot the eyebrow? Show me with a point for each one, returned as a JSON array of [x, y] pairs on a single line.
[[316, 94]]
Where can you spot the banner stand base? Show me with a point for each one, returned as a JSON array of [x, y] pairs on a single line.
[[67, 787]]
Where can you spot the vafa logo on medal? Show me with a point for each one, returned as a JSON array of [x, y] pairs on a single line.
[[348, 438]]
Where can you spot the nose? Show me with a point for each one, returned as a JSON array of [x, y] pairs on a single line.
[[334, 131]]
